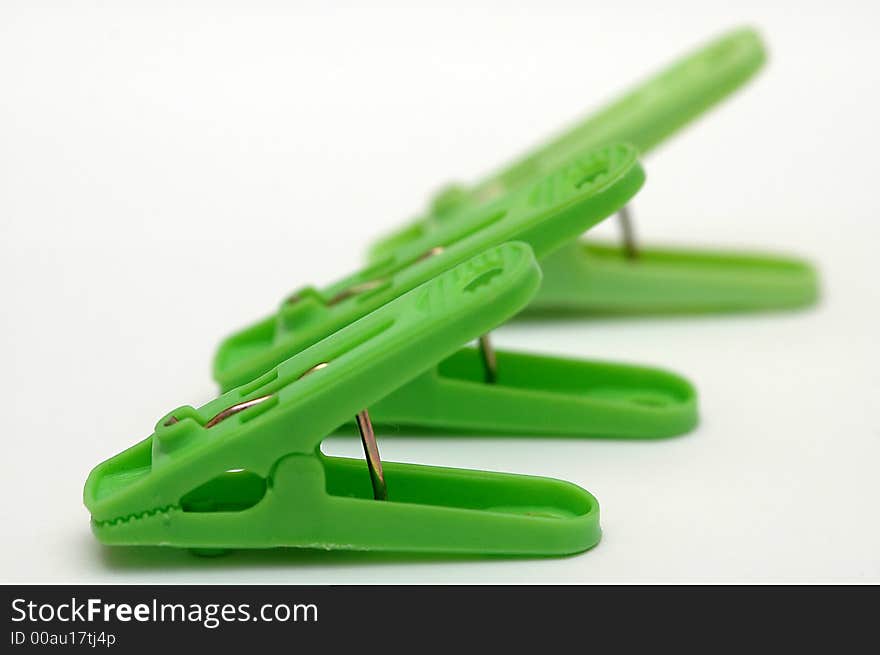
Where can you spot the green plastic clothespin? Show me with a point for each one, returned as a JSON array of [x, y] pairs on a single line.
[[246, 470], [586, 277], [479, 390]]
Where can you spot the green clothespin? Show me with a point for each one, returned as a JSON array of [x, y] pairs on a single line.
[[246, 470], [586, 277], [479, 390]]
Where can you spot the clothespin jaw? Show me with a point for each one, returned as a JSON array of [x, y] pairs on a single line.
[[593, 278], [546, 214], [246, 471]]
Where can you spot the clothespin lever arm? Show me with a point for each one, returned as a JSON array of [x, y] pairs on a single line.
[[590, 278]]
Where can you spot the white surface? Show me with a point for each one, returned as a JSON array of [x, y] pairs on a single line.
[[167, 174]]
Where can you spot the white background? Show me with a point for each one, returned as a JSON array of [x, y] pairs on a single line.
[[169, 172]]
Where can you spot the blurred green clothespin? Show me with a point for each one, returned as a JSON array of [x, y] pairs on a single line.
[[587, 277]]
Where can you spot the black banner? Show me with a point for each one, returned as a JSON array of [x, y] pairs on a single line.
[[383, 619]]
